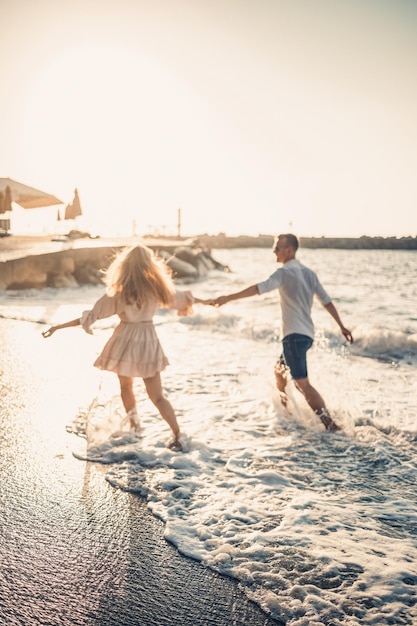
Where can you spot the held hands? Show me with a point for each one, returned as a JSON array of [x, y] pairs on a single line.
[[219, 301], [213, 301]]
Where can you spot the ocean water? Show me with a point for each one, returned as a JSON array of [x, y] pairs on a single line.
[[317, 527]]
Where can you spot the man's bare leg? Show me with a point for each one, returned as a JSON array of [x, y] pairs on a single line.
[[316, 402], [280, 371]]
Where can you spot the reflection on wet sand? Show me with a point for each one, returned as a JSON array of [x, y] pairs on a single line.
[[74, 550]]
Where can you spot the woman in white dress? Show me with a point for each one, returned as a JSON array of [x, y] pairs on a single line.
[[137, 283]]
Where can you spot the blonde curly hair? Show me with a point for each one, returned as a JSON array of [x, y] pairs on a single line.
[[137, 274]]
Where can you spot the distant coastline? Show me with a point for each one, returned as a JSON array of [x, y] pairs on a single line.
[[342, 243], [20, 245]]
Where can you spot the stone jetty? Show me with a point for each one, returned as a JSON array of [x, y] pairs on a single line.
[[74, 263]]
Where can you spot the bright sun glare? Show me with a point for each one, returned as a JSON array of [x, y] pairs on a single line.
[[248, 119], [88, 117], [128, 134]]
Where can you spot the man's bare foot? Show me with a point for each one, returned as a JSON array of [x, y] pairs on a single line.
[[284, 398], [328, 423], [280, 373], [284, 401], [175, 445]]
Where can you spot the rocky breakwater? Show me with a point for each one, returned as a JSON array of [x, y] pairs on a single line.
[[343, 243], [84, 265]]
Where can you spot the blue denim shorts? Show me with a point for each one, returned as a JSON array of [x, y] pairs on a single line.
[[295, 348]]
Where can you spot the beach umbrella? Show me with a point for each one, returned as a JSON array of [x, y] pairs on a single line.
[[25, 196], [73, 210]]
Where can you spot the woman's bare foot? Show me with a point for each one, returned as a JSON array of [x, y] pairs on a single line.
[[134, 421], [179, 443]]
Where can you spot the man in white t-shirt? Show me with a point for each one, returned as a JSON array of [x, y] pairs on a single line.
[[297, 285]]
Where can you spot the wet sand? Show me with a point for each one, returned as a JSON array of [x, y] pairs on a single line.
[[74, 550]]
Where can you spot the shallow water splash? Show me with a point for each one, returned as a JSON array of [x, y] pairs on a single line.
[[319, 528]]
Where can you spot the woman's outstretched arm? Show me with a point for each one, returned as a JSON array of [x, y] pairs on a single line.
[[52, 329]]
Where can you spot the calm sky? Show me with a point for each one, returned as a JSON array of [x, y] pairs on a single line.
[[252, 116]]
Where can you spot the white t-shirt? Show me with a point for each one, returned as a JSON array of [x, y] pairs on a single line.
[[297, 286]]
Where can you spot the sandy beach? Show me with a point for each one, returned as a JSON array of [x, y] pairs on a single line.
[[73, 549]]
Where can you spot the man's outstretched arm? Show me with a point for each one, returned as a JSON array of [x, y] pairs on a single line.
[[245, 293]]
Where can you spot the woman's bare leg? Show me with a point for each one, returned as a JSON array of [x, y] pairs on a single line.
[[129, 400], [156, 395]]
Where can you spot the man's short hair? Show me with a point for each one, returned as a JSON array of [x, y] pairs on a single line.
[[291, 240]]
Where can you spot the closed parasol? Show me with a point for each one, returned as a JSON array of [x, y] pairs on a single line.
[[73, 210]]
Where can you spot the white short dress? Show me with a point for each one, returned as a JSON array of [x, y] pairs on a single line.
[[134, 349]]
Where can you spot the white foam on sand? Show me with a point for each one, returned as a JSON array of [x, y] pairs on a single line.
[[315, 526]]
